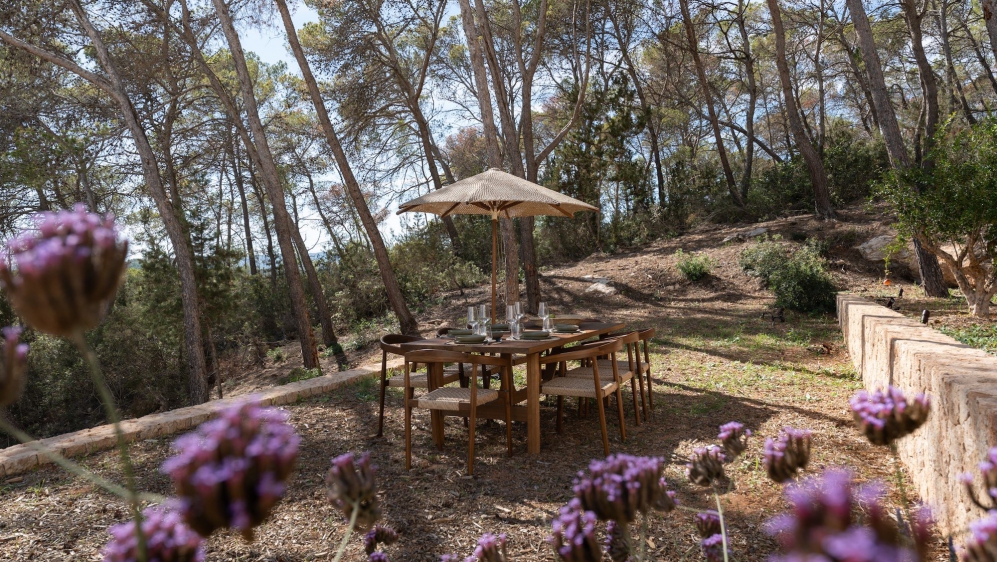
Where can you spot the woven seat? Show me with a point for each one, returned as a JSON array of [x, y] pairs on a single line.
[[605, 369], [578, 386], [451, 399]]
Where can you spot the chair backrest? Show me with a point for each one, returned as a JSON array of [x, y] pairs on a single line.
[[646, 334], [585, 351], [428, 356], [390, 343]]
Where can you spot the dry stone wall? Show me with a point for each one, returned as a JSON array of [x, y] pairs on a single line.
[[20, 458], [890, 349]]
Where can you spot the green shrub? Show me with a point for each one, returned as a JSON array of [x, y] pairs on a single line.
[[981, 337], [276, 355], [799, 279], [300, 374], [693, 266]]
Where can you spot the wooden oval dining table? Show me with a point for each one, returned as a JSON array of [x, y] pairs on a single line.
[[516, 352]]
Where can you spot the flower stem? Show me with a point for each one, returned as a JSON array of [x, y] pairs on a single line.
[[643, 537], [901, 486], [111, 410], [349, 532], [723, 525]]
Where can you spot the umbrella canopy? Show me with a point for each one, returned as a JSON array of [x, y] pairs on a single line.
[[497, 194]]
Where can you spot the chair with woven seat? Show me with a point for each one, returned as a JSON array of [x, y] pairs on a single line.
[[451, 399], [645, 366], [599, 386], [391, 343], [628, 371]]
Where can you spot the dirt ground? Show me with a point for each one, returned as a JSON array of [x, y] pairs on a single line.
[[715, 359]]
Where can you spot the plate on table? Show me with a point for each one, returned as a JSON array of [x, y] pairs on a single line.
[[535, 335], [500, 327], [566, 328], [460, 332], [469, 338]]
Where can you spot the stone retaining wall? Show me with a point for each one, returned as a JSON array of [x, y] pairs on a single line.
[[888, 348], [19, 458]]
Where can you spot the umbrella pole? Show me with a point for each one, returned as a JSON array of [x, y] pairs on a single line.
[[494, 265]]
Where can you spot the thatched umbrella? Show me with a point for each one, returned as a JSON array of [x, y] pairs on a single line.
[[499, 194]]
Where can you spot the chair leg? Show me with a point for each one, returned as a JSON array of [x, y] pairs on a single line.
[[650, 393], [560, 414], [619, 407], [470, 439], [602, 425], [508, 409], [384, 384], [463, 381], [633, 391], [643, 402], [408, 431]]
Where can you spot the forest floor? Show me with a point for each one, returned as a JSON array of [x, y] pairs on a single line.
[[714, 359]]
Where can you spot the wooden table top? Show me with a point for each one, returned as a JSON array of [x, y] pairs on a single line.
[[516, 347]]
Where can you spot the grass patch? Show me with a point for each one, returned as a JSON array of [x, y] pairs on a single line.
[[980, 337], [300, 374]]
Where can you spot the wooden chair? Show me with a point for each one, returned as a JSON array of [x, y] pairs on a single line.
[[450, 399], [391, 343], [645, 343], [599, 386], [628, 371]]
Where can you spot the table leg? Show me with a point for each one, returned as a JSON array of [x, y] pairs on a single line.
[[435, 379], [533, 403]]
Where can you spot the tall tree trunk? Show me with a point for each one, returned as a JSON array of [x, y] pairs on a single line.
[[240, 185], [822, 198], [931, 273], [690, 33], [990, 17], [954, 83], [318, 295], [197, 383], [406, 321], [275, 191], [929, 84], [749, 119], [979, 54]]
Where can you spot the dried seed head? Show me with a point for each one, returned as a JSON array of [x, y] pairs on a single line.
[[734, 438], [230, 472], [166, 538], [788, 454], [62, 277], [887, 416], [13, 366], [621, 486], [352, 483], [708, 524], [379, 535], [573, 536], [706, 465]]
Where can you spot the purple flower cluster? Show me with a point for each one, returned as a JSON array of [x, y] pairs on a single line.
[[713, 548], [167, 538], [708, 524], [706, 465], [988, 470], [982, 543], [378, 535], [621, 486], [887, 416], [822, 524], [734, 439], [13, 366], [230, 472], [61, 277], [574, 538], [490, 548], [351, 485], [788, 454]]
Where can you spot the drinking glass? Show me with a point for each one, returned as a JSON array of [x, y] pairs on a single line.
[[542, 312], [472, 319], [516, 330], [483, 312], [548, 323], [519, 312], [510, 314]]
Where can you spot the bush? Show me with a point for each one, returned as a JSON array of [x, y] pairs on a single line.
[[693, 266], [799, 279]]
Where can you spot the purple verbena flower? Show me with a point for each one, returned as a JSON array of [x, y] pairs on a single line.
[[734, 439], [706, 465], [13, 366], [351, 485], [61, 277], [379, 535], [166, 538], [621, 486], [988, 470], [708, 524], [822, 525], [377, 557], [787, 454], [982, 542], [491, 548], [231, 471], [713, 548], [618, 541], [887, 416], [573, 536]]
